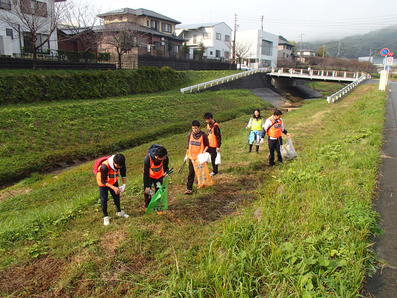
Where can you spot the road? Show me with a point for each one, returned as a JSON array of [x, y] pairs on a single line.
[[384, 283]]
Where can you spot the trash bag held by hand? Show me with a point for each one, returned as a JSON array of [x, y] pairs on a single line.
[[288, 151], [203, 175], [159, 201], [218, 158]]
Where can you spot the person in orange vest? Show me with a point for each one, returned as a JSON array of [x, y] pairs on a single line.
[[155, 168], [107, 179], [197, 143], [274, 128], [214, 140]]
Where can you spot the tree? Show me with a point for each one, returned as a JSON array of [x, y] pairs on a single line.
[[79, 20], [123, 37], [36, 19], [242, 50], [322, 52]]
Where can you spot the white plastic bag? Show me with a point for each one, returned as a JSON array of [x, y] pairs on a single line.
[[204, 157], [288, 151], [218, 158]]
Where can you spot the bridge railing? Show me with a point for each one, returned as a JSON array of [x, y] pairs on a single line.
[[209, 84], [346, 90], [318, 73]]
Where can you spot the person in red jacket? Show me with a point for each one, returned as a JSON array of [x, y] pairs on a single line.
[[214, 140], [107, 180]]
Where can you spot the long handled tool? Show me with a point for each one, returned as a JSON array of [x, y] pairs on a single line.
[[182, 167]]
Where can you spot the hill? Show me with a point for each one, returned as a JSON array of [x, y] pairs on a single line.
[[360, 45]]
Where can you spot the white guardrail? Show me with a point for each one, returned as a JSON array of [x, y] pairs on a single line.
[[346, 90], [223, 80]]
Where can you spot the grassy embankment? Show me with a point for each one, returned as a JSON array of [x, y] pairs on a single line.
[[325, 88], [37, 136], [301, 229]]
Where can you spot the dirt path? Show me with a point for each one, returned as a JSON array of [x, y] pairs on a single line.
[[384, 283]]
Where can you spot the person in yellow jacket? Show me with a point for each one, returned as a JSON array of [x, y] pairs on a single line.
[[256, 125], [274, 129]]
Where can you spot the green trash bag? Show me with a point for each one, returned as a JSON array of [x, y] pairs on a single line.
[[159, 202]]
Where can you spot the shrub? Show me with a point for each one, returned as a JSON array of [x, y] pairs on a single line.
[[41, 86]]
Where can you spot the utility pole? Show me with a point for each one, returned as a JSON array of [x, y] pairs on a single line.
[[339, 46], [301, 41], [234, 38], [262, 17]]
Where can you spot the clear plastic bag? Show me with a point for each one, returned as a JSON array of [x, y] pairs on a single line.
[[204, 158], [218, 158], [288, 151]]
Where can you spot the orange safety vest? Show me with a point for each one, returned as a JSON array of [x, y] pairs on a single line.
[[275, 131], [156, 172], [112, 178], [212, 139], [196, 147]]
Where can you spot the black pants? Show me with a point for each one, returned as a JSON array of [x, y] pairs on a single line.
[[275, 145], [148, 197], [190, 177], [213, 153], [103, 193]]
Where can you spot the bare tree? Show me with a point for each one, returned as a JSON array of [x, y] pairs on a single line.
[[35, 18], [79, 21], [123, 37], [242, 50]]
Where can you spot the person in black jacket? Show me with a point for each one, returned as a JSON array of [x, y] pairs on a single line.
[[214, 139], [155, 168]]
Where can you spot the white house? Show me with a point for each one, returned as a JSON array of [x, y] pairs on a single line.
[[214, 37], [262, 48], [13, 43]]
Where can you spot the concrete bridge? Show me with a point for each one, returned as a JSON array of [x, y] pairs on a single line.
[[322, 75]]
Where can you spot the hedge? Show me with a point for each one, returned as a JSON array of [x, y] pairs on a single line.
[[32, 87]]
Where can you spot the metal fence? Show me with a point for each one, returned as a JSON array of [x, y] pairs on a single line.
[[346, 90], [209, 84]]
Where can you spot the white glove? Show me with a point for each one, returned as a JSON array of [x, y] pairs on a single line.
[[185, 158], [122, 188]]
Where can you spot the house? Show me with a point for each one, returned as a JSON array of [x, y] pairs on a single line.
[[208, 40], [262, 48], [155, 33], [285, 49], [76, 43], [304, 55], [15, 38]]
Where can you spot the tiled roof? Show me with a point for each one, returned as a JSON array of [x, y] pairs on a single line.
[[138, 12]]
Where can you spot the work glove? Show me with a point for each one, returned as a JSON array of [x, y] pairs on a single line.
[[185, 158], [122, 188]]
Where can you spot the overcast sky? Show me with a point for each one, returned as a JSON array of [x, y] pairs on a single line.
[[312, 18]]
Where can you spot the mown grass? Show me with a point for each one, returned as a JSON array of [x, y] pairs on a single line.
[[301, 229], [325, 88], [37, 136]]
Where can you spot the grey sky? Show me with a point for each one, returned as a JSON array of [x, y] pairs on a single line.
[[316, 19]]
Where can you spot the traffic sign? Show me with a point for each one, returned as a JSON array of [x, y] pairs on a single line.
[[384, 52]]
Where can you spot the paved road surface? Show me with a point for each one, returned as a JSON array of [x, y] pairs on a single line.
[[384, 283]]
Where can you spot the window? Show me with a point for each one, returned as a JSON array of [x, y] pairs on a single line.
[[42, 40], [166, 28], [227, 37], [9, 33], [154, 25], [219, 36], [5, 4], [211, 53], [267, 48], [227, 55], [218, 54]]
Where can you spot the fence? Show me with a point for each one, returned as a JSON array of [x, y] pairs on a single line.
[[183, 64], [223, 80], [19, 63], [346, 90]]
